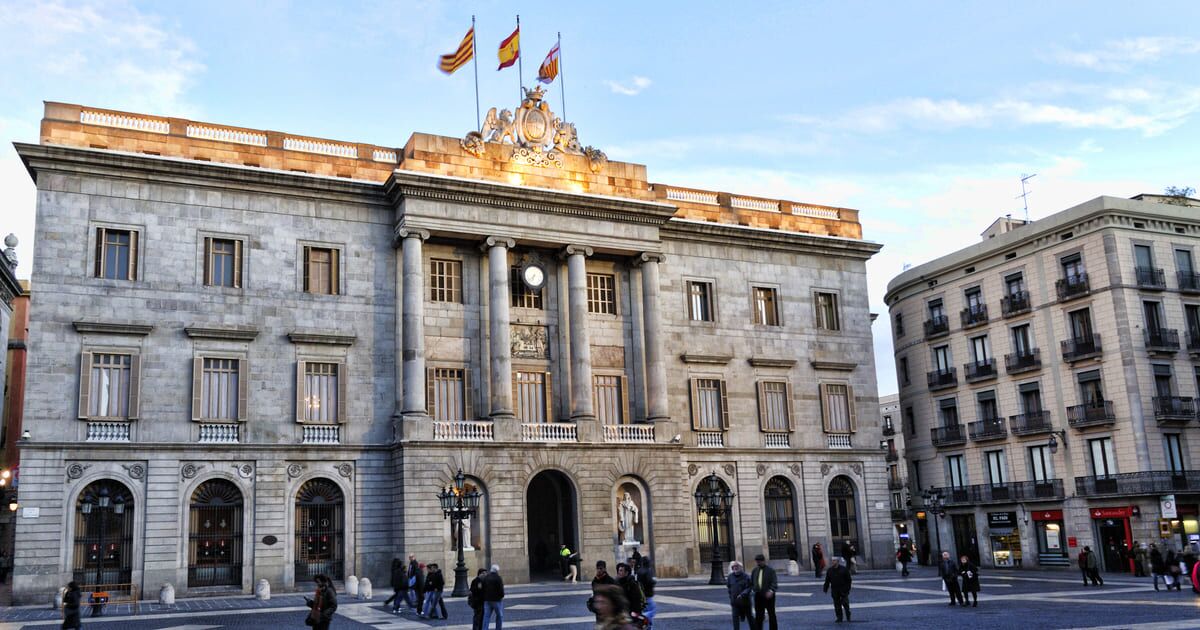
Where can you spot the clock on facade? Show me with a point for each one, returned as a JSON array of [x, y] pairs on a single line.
[[533, 275]]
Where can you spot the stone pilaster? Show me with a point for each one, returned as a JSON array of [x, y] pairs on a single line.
[[581, 348], [412, 348], [656, 369], [501, 407]]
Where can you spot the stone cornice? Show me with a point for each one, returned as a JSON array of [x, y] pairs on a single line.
[[710, 359], [835, 366], [233, 333], [314, 337], [113, 328], [761, 238], [769, 362], [409, 184]]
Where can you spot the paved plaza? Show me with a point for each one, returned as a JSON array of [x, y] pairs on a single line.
[[879, 600]]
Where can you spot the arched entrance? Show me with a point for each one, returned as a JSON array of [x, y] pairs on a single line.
[[780, 508], [104, 534], [320, 530], [550, 511], [843, 515], [215, 535], [724, 532]]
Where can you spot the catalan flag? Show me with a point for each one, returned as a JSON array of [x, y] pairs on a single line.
[[510, 49], [466, 50], [549, 68]]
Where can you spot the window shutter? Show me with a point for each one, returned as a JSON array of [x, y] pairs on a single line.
[[343, 385], [762, 407], [208, 260], [85, 383], [468, 395], [790, 407], [133, 255], [243, 388], [549, 399], [850, 405], [518, 401], [693, 387], [237, 264], [724, 407], [624, 394], [99, 252], [197, 387], [334, 286], [300, 368], [135, 382], [430, 391], [307, 279], [824, 394]]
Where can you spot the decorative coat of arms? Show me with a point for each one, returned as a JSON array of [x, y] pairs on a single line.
[[540, 137]]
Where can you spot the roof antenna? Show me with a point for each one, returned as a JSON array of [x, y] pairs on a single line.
[[1024, 196]]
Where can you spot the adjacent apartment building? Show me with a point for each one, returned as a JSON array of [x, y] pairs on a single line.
[[261, 355], [1048, 384]]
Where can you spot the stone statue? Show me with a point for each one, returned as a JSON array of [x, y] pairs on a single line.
[[465, 524], [628, 512], [565, 137], [498, 127]]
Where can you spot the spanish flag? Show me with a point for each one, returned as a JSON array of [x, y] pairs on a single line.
[[466, 50], [510, 49], [549, 68]]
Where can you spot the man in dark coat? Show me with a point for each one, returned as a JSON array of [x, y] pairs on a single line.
[[904, 555], [948, 571], [493, 598], [475, 600], [434, 585], [71, 600], [601, 578], [970, 580], [818, 559], [837, 584], [644, 572], [1089, 567], [765, 584], [738, 585], [399, 582], [1158, 565], [413, 595], [632, 590]]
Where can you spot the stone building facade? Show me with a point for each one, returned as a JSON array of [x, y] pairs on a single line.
[[261, 355], [1048, 378]]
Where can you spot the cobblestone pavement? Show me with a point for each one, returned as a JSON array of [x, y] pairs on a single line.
[[1016, 600]]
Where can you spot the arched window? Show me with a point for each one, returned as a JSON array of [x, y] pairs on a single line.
[[843, 518], [215, 535], [104, 534], [724, 532], [319, 530], [780, 507]]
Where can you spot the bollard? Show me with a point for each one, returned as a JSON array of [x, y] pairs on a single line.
[[58, 598], [364, 588], [166, 595], [352, 586], [793, 567], [262, 590]]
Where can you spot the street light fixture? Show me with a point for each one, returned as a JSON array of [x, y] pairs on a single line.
[[1053, 443], [714, 500], [935, 504], [459, 504]]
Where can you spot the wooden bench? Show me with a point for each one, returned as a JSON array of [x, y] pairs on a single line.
[[115, 593]]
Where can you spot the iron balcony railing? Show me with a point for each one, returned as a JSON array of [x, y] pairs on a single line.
[[1174, 409], [948, 435], [1081, 347], [1015, 303], [941, 379], [1095, 413], [1018, 362], [899, 514], [889, 429], [892, 456], [979, 370], [1072, 287], [1162, 339], [974, 315], [1150, 277], [937, 325], [1007, 492], [895, 483], [1189, 282], [1030, 423], [1139, 483], [988, 429]]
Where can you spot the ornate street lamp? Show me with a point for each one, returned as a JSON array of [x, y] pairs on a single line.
[[458, 505], [935, 504], [714, 501]]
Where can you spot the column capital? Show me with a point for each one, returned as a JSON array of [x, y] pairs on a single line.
[[406, 232], [497, 241], [571, 250], [649, 257]]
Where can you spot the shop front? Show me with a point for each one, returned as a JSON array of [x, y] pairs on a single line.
[[1180, 523], [1005, 539], [1111, 527], [1051, 538]]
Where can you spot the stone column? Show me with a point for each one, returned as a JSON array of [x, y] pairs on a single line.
[[581, 348], [499, 329], [656, 369], [413, 320]]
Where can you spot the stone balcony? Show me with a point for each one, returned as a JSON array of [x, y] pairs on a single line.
[[1072, 287], [1093, 414], [629, 433], [1151, 278], [952, 435], [549, 432], [1017, 362], [1031, 423], [1174, 410], [988, 429], [1015, 303], [470, 431]]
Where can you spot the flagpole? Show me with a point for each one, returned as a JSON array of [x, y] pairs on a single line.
[[520, 70], [475, 63], [562, 80]]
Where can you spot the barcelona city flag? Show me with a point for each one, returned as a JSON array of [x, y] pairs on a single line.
[[549, 68], [466, 50], [510, 49]]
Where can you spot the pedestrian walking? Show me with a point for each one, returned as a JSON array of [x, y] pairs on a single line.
[[1158, 566], [970, 580], [70, 611], [399, 582], [493, 598], [1174, 570], [475, 600], [412, 596], [435, 583], [1089, 566], [848, 553], [611, 611], [1139, 559], [602, 576], [904, 556], [570, 564], [635, 599], [635, 557], [948, 571], [837, 584], [644, 572], [765, 584], [818, 559], [740, 593], [322, 605]]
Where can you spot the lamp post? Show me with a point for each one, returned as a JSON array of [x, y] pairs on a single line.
[[714, 501], [935, 504], [101, 503], [458, 505]]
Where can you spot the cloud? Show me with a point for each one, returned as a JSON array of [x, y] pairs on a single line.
[[631, 88], [1121, 55]]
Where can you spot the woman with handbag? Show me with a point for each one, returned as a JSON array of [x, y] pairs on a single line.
[[322, 606]]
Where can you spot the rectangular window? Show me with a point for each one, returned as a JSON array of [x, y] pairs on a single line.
[[827, 311], [1142, 256], [899, 327], [445, 280], [522, 295], [956, 472], [766, 306], [1022, 343], [1191, 315], [775, 414], [910, 421], [838, 408], [447, 398], [904, 371], [1183, 261], [980, 349], [1014, 284], [222, 262], [1041, 464], [1091, 390], [1164, 385], [602, 293], [1072, 267], [532, 394], [321, 392], [1174, 448], [974, 299], [941, 358], [1031, 398], [116, 254], [987, 405], [995, 467], [936, 310], [700, 301], [1103, 462], [220, 389], [321, 270], [948, 409], [710, 405], [1080, 324], [1152, 311], [609, 395], [109, 385]]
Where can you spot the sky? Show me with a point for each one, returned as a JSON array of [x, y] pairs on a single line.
[[922, 115]]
